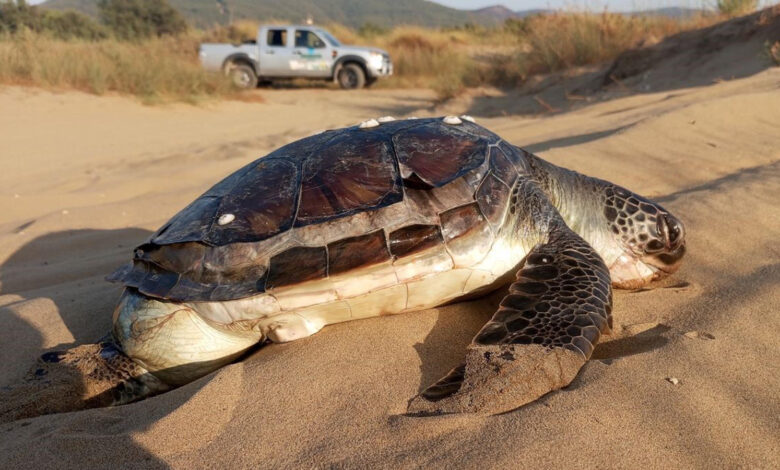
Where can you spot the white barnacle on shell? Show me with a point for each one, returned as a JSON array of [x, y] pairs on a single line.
[[384, 119], [468, 118], [225, 219], [452, 120], [368, 124]]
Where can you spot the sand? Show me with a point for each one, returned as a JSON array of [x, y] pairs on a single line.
[[83, 179]]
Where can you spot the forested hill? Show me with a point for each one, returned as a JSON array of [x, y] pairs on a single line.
[[353, 13]]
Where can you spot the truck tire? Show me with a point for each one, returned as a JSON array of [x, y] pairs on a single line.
[[243, 76], [351, 77]]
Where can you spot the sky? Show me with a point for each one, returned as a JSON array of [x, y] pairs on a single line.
[[592, 5]]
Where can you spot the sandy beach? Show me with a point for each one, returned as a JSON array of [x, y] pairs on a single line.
[[83, 179]]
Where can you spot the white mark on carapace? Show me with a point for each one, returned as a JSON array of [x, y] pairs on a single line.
[[225, 219], [454, 120], [368, 124]]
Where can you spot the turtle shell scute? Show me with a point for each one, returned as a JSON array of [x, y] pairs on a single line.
[[230, 242], [436, 153], [353, 173]]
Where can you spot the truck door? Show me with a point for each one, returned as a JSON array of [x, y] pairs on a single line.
[[276, 52], [311, 55]]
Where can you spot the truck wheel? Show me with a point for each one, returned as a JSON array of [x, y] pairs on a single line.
[[351, 77], [243, 76]]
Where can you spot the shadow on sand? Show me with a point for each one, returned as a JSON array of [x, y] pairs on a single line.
[[62, 275]]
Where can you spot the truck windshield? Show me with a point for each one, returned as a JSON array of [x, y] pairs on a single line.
[[329, 37]]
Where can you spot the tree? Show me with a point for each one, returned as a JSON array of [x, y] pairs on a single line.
[[16, 17], [138, 19]]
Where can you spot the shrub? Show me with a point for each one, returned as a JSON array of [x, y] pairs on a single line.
[[429, 59], [235, 33], [141, 19], [70, 25], [559, 41], [737, 7], [19, 16], [369, 29], [344, 34], [445, 60], [155, 70]]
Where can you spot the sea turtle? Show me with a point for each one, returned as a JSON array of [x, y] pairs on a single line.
[[385, 217]]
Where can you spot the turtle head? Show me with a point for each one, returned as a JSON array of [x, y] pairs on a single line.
[[645, 241], [639, 240]]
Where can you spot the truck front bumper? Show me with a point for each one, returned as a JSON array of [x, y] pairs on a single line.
[[383, 69]]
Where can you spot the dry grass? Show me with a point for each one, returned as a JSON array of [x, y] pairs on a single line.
[[450, 61], [237, 32], [158, 70], [447, 61], [557, 42], [426, 58]]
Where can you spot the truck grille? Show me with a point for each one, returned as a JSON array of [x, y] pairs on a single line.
[[387, 65]]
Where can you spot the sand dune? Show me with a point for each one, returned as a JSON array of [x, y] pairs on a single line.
[[83, 179]]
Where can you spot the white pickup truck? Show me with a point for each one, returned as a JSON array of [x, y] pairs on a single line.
[[296, 51]]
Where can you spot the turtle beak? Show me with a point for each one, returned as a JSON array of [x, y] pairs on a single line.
[[670, 262], [672, 231]]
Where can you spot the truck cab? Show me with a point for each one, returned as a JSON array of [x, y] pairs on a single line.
[[283, 52]]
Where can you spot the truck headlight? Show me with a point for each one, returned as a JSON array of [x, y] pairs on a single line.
[[375, 58]]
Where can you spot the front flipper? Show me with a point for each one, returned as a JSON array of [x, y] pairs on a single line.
[[542, 334]]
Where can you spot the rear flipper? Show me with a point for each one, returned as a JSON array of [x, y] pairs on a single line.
[[87, 376], [542, 334]]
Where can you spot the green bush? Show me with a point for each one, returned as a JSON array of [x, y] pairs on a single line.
[[369, 30], [19, 16], [737, 7], [15, 17], [72, 25], [141, 19], [518, 26]]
